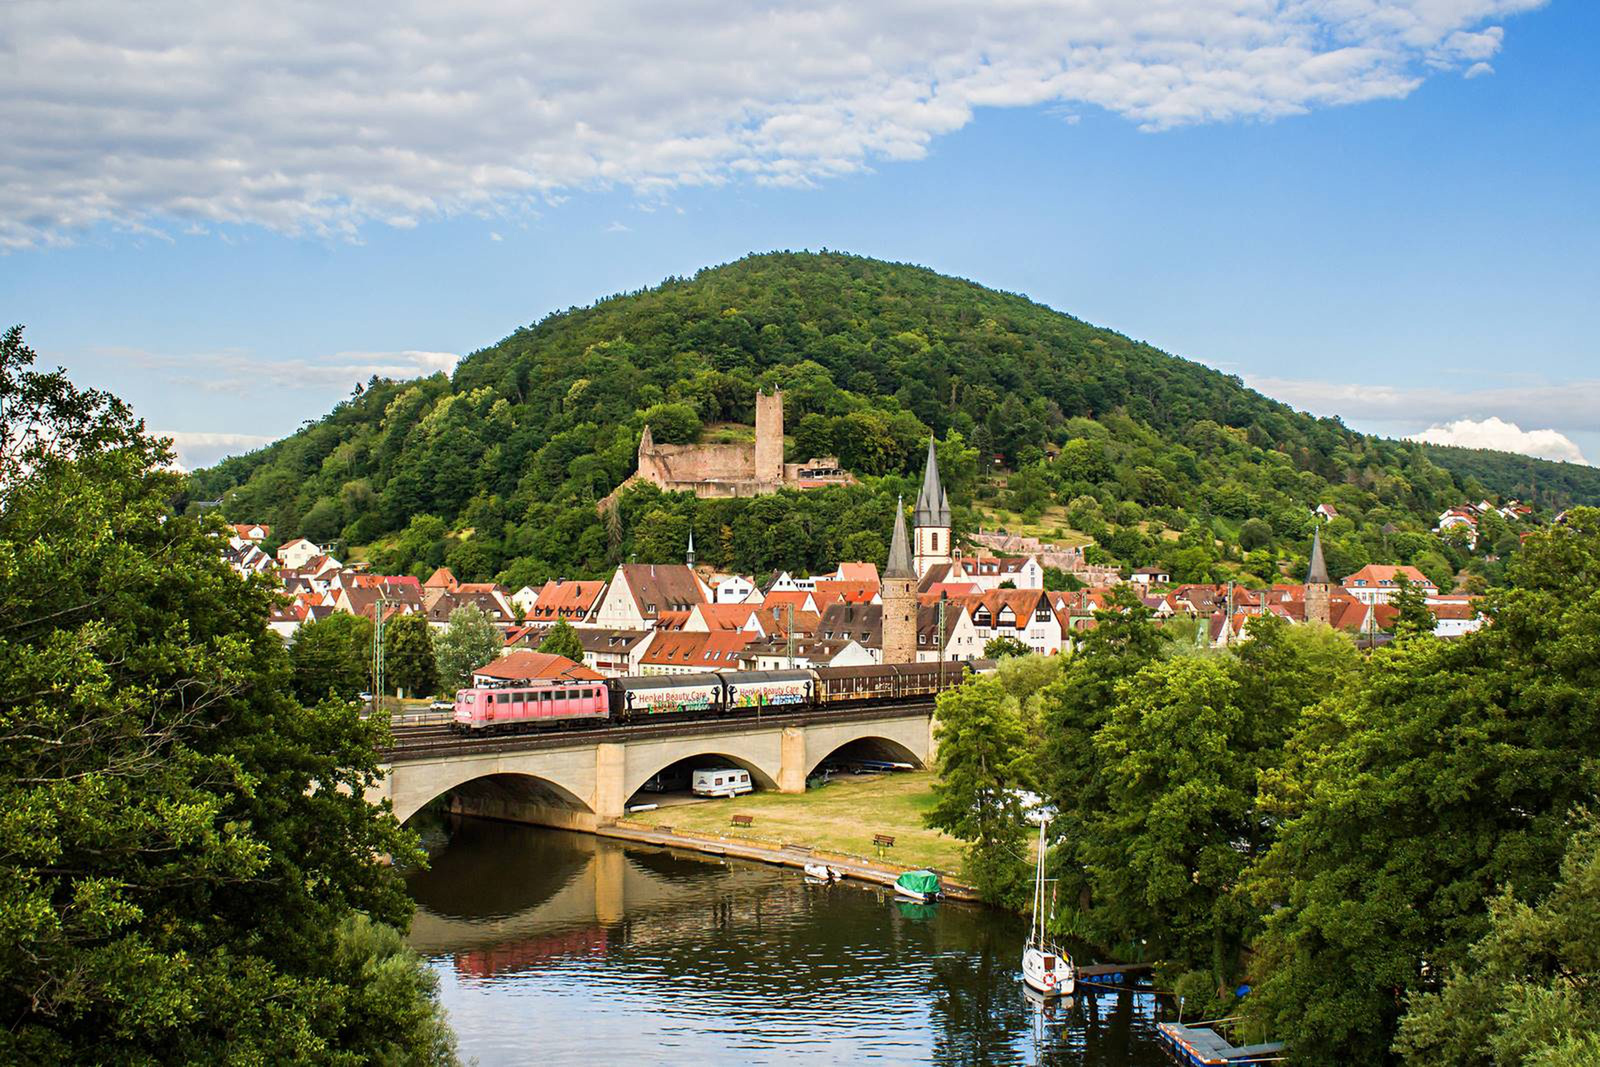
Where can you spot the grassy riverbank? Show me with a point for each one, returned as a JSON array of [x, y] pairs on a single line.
[[841, 816]]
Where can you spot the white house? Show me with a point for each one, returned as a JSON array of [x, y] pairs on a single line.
[[1150, 576], [734, 589], [298, 553], [1024, 615]]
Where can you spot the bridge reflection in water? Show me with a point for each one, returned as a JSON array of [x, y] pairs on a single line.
[[557, 947]]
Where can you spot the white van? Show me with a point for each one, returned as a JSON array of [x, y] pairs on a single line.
[[721, 782]]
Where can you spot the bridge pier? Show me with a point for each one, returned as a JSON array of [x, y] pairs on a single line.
[[792, 764], [610, 781]]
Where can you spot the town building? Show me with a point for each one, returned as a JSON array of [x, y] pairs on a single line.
[[574, 601], [1024, 615], [931, 519], [613, 653], [1377, 583], [649, 596], [686, 652]]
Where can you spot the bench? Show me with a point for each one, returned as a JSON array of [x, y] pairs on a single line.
[[744, 820], [882, 841]]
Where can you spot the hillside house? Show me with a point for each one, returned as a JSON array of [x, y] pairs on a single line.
[[297, 553]]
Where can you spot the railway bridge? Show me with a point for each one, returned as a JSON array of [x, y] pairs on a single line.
[[582, 778]]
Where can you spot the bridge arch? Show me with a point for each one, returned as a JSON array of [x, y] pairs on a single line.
[[902, 740], [491, 787], [868, 745], [642, 770]]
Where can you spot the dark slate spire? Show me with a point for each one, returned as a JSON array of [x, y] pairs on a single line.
[[1318, 574], [933, 506], [899, 548]]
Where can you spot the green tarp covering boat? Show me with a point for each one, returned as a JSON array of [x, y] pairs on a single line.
[[918, 885]]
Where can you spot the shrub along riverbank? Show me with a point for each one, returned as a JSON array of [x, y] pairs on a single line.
[[1366, 839]]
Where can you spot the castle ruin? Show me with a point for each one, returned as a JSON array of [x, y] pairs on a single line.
[[737, 469]]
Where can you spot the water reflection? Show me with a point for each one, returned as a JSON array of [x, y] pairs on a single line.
[[555, 947]]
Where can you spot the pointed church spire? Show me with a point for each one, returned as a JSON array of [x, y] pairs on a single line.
[[899, 549], [1318, 573], [689, 556], [933, 505]]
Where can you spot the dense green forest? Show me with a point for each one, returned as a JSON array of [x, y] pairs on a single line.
[[497, 470]]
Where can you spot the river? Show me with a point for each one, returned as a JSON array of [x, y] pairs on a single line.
[[555, 948]]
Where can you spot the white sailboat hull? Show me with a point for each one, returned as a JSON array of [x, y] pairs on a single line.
[[1047, 973]]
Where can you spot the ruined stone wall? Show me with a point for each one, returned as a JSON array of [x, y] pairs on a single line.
[[665, 464]]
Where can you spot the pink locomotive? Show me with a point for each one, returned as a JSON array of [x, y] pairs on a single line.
[[531, 706]]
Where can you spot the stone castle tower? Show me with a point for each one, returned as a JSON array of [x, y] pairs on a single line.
[[899, 593], [769, 437], [931, 521], [1319, 590]]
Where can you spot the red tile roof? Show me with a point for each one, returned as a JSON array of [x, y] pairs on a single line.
[[530, 666]]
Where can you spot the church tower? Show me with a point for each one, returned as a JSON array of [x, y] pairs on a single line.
[[932, 518], [1319, 591], [899, 593]]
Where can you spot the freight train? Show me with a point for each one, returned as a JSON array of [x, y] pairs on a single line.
[[568, 705]]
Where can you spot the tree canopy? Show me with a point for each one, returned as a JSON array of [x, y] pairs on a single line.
[[183, 841]]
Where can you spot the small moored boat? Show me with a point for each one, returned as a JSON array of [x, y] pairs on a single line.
[[1045, 968], [920, 886], [822, 872]]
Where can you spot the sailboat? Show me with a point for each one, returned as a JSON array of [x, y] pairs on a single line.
[[1045, 968]]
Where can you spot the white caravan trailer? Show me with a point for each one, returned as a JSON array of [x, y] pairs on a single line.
[[721, 782]]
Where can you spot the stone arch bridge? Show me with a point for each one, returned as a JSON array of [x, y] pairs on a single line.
[[582, 779]]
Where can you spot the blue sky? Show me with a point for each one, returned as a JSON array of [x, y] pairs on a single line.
[[1392, 241]]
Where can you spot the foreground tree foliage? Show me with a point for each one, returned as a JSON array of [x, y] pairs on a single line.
[[1530, 993], [1374, 842], [1451, 770], [181, 843], [332, 658], [982, 761]]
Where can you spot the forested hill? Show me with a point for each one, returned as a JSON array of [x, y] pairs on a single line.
[[497, 469], [1538, 481]]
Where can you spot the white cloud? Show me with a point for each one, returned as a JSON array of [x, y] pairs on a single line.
[[617, 227], [245, 373], [1505, 436], [199, 448], [305, 117], [1570, 406]]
